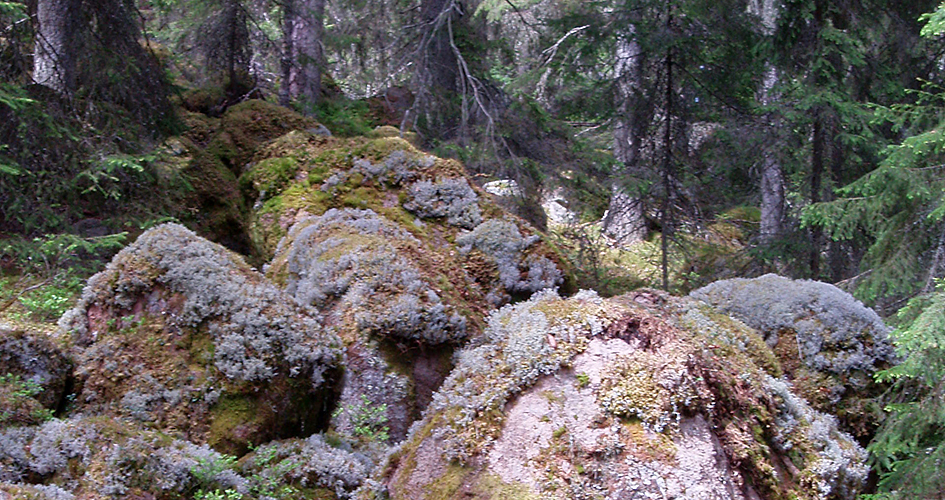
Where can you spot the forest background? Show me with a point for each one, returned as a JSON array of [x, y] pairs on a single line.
[[690, 139]]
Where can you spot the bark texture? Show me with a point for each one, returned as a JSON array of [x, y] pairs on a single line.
[[55, 60], [303, 30], [624, 220]]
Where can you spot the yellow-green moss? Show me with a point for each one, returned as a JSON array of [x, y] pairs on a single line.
[[379, 149], [229, 413], [270, 176]]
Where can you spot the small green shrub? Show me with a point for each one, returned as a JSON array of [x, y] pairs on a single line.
[[50, 302], [368, 419], [18, 404], [218, 495], [345, 118]]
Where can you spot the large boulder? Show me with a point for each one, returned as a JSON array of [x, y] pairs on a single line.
[[377, 284], [829, 343], [400, 252], [586, 398], [181, 333]]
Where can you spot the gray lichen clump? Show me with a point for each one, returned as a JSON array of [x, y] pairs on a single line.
[[178, 328], [309, 463], [452, 199], [503, 243], [87, 456], [360, 259]]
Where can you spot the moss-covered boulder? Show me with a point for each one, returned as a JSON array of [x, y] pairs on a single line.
[[398, 250], [585, 397], [829, 344], [301, 175], [208, 160], [183, 334], [36, 363]]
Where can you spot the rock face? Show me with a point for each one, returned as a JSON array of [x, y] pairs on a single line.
[[829, 343], [181, 333], [593, 398]]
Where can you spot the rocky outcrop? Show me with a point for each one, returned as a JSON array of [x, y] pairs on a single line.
[[585, 397], [829, 344], [181, 333], [400, 252]]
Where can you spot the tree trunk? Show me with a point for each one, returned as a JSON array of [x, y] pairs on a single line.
[[438, 70], [772, 197], [55, 59], [772, 177], [666, 218], [440, 63], [288, 51], [625, 216], [305, 81], [816, 182]]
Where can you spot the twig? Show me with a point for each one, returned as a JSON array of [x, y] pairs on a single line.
[[10, 302]]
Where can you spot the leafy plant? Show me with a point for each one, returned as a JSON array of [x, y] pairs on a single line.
[[18, 404], [51, 301], [367, 419], [218, 495], [211, 466]]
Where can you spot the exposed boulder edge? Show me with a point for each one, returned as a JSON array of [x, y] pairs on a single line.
[[828, 342], [613, 396], [182, 332]]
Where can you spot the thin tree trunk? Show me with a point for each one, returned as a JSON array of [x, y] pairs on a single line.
[[307, 30], [55, 58], [666, 219], [772, 197], [288, 51], [836, 257], [625, 215], [816, 182]]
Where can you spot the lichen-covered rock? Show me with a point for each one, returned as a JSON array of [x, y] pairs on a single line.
[[593, 398], [829, 343], [366, 230], [9, 491], [181, 333], [452, 199], [33, 357], [100, 457], [361, 260], [519, 272], [298, 176]]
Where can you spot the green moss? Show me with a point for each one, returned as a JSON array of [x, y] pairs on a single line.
[[270, 176], [379, 149], [446, 485], [254, 122], [226, 416], [492, 487]]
